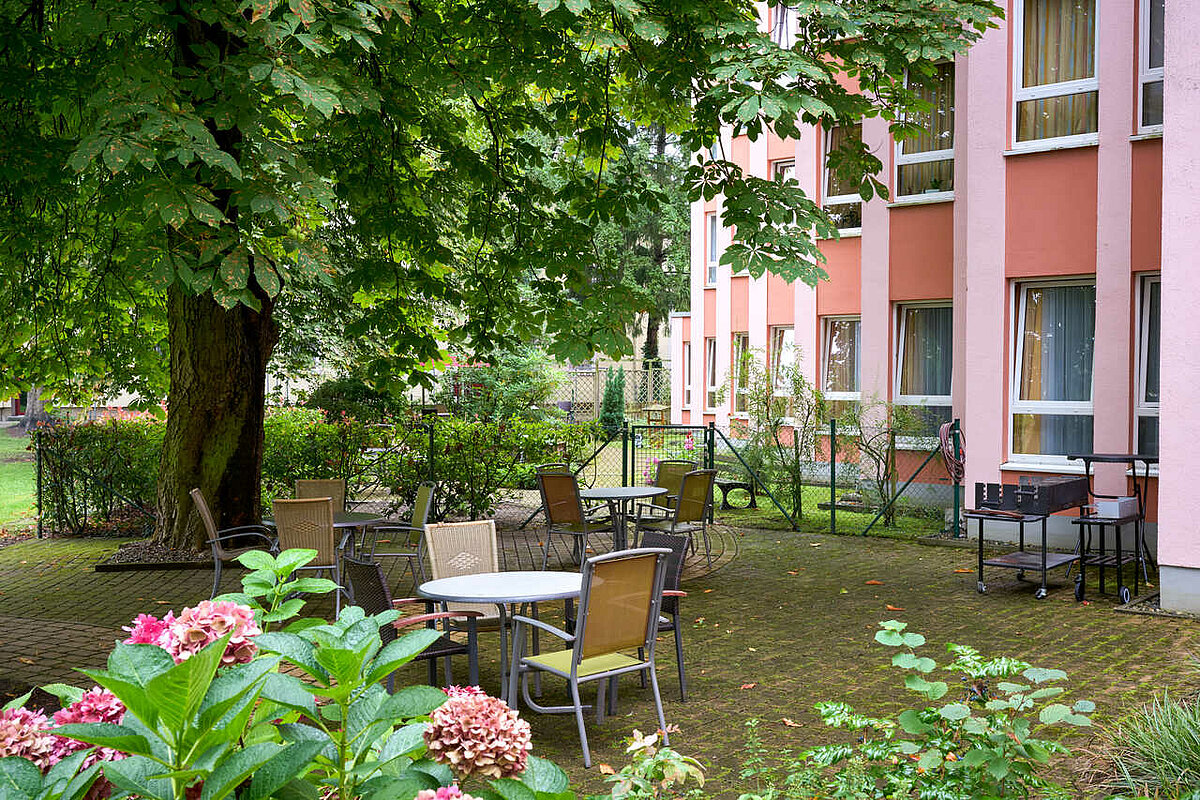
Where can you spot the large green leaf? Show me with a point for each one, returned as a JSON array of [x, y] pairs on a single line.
[[280, 769], [238, 767], [178, 692], [412, 701], [399, 652], [290, 692], [107, 734], [139, 663], [19, 778], [295, 649]]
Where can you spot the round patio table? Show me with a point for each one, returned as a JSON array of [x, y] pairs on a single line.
[[503, 589], [618, 499]]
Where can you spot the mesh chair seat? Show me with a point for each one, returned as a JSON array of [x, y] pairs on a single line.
[[566, 515], [559, 663]]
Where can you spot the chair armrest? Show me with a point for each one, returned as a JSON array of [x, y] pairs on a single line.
[[547, 627], [673, 593], [406, 621], [241, 533], [263, 529], [464, 613]]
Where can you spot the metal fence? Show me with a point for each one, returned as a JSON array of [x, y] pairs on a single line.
[[646, 391]]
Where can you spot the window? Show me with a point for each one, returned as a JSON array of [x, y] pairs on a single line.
[[1150, 69], [924, 358], [714, 247], [1056, 89], [783, 359], [1052, 389], [839, 363], [741, 372], [925, 163], [710, 373], [782, 25], [1146, 404], [687, 374], [783, 169], [842, 201]]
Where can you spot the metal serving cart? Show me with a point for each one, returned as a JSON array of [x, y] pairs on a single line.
[[1030, 501]]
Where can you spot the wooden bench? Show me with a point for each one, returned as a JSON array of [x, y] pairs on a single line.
[[726, 484]]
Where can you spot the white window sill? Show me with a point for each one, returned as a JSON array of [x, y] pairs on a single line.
[[1147, 135], [1049, 145], [1052, 468], [710, 286], [845, 233], [922, 199], [740, 415]]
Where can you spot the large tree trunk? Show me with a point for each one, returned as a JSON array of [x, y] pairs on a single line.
[[214, 437], [34, 411]]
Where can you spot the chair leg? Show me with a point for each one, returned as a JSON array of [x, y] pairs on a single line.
[[514, 664], [546, 551], [642, 673], [583, 742], [448, 668], [432, 665], [679, 657], [662, 721], [216, 577]]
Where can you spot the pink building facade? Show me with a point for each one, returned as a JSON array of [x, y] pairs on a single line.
[[1026, 275]]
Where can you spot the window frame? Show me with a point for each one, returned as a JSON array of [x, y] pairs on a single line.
[[782, 162], [838, 199], [711, 381], [902, 159], [1046, 91], [712, 247], [773, 355], [1141, 407], [1146, 73], [780, 28], [739, 347], [826, 322], [687, 374], [917, 399], [1055, 407]]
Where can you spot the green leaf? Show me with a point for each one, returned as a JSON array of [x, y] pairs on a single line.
[[257, 559], [889, 638], [235, 682], [910, 720], [116, 155], [19, 778], [292, 559], [106, 734], [295, 650], [1084, 706], [403, 741], [66, 694], [236, 768], [281, 768], [955, 711], [412, 701], [139, 663], [1053, 713], [235, 268], [88, 149], [511, 789], [544, 776], [1039, 675], [178, 692], [913, 639], [17, 702], [261, 71], [400, 652], [134, 777]]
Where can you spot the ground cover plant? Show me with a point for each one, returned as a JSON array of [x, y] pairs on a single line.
[[1153, 750]]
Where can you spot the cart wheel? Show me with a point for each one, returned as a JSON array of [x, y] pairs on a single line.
[[1124, 594], [982, 587], [1040, 594], [1020, 574], [1078, 589]]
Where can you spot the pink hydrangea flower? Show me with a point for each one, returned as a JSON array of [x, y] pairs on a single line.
[[26, 734], [451, 792], [463, 691], [475, 734], [97, 705], [195, 628], [147, 629]]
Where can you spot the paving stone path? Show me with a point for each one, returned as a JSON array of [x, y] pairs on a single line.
[[786, 623]]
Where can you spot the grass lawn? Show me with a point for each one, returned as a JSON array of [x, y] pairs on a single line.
[[18, 490], [816, 520]]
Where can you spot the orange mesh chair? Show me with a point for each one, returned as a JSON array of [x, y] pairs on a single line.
[[565, 514], [309, 524], [691, 511], [668, 474], [409, 537], [614, 635], [229, 543], [333, 488]]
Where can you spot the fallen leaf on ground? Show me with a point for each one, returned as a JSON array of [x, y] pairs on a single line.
[[163, 602], [25, 660], [706, 591], [748, 685], [814, 544], [791, 572], [605, 769], [845, 591], [964, 570], [791, 723], [874, 583], [893, 608]]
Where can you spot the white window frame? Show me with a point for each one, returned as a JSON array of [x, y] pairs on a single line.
[[837, 199], [1047, 90], [903, 159], [711, 382], [1146, 73], [775, 333], [825, 340], [687, 374], [783, 28], [739, 347], [779, 165], [712, 247], [1142, 408], [915, 399], [1057, 407]]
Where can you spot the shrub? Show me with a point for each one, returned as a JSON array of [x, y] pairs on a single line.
[[518, 384], [1155, 750], [612, 407], [302, 443], [353, 397]]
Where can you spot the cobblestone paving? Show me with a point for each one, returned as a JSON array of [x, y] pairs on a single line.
[[786, 623]]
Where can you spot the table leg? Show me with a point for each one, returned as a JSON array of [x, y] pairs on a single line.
[[979, 584], [504, 665], [1081, 578], [1041, 592]]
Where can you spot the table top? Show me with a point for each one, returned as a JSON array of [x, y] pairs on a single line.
[[1115, 458], [504, 587], [621, 492], [346, 519]]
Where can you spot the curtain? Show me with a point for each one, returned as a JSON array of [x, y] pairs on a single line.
[[926, 359], [937, 125], [835, 185], [783, 357], [841, 359], [1059, 45], [1153, 304]]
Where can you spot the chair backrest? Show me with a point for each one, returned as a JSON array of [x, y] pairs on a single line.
[[369, 590], [307, 523], [560, 498], [463, 548], [620, 601], [422, 504], [206, 517], [669, 475], [695, 495], [678, 545], [555, 466], [333, 488]]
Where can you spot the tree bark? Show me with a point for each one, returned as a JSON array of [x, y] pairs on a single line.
[[215, 407], [34, 411]]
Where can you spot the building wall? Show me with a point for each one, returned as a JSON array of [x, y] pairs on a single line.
[[1089, 208]]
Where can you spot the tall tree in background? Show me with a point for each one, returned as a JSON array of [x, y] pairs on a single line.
[[170, 171]]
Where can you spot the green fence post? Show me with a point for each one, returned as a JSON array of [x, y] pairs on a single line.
[[624, 453], [710, 450], [833, 476], [37, 446], [957, 478]]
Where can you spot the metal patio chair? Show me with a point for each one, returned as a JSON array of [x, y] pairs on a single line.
[[229, 543], [566, 515], [309, 523], [668, 474], [409, 537], [668, 621], [371, 594], [691, 512], [614, 635]]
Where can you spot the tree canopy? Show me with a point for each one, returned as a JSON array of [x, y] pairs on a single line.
[[180, 177]]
